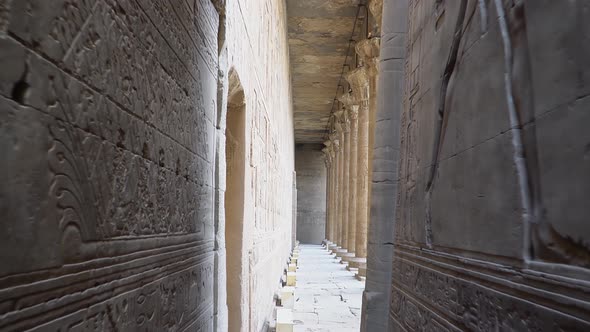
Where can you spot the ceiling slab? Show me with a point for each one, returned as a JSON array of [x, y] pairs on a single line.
[[319, 32]]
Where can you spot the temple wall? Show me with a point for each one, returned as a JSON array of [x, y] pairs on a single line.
[[311, 193], [499, 241], [113, 154]]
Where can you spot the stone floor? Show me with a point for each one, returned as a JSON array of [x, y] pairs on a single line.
[[327, 296]]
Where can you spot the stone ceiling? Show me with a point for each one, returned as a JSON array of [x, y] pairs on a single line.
[[319, 31]]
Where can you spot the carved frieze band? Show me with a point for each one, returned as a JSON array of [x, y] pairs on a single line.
[[120, 277], [479, 296]]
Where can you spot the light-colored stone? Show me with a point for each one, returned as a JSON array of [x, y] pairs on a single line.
[[311, 191], [319, 33], [329, 297], [358, 79], [284, 320], [291, 278], [113, 118], [287, 297]]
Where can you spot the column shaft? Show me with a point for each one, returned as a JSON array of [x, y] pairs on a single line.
[[341, 202], [332, 193], [352, 180], [358, 79], [337, 198], [362, 180], [345, 183], [326, 151]]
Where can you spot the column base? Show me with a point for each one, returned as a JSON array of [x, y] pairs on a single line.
[[334, 248], [351, 269], [340, 252], [361, 275], [346, 257], [356, 262]]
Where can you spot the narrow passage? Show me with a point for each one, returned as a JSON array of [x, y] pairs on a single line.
[[327, 296]]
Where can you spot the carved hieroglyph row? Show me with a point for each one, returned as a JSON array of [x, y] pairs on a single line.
[[174, 294], [425, 297]]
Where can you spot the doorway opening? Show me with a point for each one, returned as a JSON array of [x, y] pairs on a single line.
[[235, 156]]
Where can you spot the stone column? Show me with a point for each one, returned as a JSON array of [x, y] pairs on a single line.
[[333, 194], [376, 297], [368, 51], [340, 132], [328, 161], [359, 82], [336, 199], [352, 110], [345, 177]]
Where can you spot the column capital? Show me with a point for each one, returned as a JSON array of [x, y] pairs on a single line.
[[336, 145], [345, 121], [340, 121], [368, 51], [350, 104], [348, 100], [335, 141], [376, 9], [353, 112], [358, 79], [327, 156]]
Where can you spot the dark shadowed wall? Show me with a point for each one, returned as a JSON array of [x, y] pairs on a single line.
[[491, 219], [311, 193], [111, 197], [106, 119]]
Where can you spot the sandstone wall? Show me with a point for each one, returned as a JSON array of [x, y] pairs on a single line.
[[257, 52], [502, 244], [384, 187], [110, 184], [311, 193]]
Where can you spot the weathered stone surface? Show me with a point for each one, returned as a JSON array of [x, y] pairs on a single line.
[[319, 33], [113, 174], [107, 183], [258, 53], [359, 82], [311, 193], [384, 183], [328, 296], [496, 242]]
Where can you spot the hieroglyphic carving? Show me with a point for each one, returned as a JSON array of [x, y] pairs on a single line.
[[466, 303], [169, 304]]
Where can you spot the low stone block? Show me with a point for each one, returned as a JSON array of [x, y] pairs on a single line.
[[287, 297], [284, 320], [291, 279], [341, 252], [346, 257], [362, 272], [356, 262], [292, 267]]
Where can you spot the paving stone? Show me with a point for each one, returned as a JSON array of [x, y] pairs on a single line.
[[327, 296]]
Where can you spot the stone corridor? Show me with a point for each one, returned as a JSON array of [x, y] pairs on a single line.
[[328, 297], [178, 165]]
